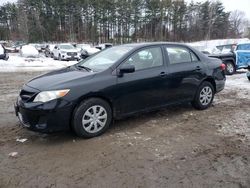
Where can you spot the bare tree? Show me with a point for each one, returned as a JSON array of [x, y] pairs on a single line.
[[237, 19]]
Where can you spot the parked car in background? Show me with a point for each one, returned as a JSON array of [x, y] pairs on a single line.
[[7, 46], [66, 51], [242, 53], [29, 51], [104, 46], [17, 45], [3, 53], [229, 60], [48, 51], [37, 46], [116, 83], [10, 49], [237, 59], [227, 48], [205, 52], [86, 50]]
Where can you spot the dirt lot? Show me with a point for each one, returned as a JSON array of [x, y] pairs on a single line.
[[174, 147]]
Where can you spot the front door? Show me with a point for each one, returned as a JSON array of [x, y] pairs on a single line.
[[142, 89], [243, 56]]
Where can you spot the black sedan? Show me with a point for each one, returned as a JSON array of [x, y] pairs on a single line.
[[118, 82]]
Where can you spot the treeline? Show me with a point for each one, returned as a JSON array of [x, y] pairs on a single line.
[[117, 21]]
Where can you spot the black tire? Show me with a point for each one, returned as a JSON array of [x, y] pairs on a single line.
[[82, 109], [197, 102], [230, 68]]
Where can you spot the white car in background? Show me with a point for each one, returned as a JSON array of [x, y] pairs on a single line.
[[88, 48], [29, 51], [104, 46], [66, 51]]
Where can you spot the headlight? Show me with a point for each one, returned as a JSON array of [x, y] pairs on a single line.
[[46, 96]]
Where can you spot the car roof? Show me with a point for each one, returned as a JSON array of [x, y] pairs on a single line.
[[242, 43], [145, 44], [65, 44]]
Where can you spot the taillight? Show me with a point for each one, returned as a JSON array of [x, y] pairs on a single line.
[[223, 66]]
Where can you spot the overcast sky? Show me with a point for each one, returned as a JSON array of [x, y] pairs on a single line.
[[230, 5]]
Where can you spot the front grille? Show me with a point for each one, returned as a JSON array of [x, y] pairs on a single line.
[[27, 96], [71, 53]]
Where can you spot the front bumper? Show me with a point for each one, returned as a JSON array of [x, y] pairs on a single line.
[[69, 57], [47, 117]]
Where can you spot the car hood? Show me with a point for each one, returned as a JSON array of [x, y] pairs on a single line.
[[70, 50], [221, 55], [60, 79]]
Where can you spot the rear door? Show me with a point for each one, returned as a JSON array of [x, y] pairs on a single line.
[[243, 55], [185, 72]]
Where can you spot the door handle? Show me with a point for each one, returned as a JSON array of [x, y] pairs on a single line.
[[198, 68], [162, 74]]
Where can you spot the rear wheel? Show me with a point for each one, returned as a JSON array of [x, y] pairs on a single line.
[[204, 96], [92, 118], [230, 68]]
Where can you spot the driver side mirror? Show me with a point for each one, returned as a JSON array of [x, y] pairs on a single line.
[[125, 69]]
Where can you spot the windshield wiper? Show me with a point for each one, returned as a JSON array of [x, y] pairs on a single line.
[[86, 68]]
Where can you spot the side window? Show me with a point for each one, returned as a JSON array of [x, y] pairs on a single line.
[[194, 57], [180, 55], [146, 58]]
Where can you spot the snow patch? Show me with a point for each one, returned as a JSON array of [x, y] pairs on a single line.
[[17, 63], [239, 83]]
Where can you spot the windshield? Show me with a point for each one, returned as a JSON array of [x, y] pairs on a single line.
[[105, 59], [66, 46], [243, 47]]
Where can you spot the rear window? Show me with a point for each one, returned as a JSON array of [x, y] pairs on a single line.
[[180, 55]]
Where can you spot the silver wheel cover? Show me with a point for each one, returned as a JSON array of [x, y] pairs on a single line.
[[94, 119], [206, 95]]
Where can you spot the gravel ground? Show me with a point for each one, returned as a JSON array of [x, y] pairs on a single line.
[[174, 147]]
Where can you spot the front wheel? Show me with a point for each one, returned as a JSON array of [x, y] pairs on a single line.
[[204, 96], [230, 68], [92, 118]]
